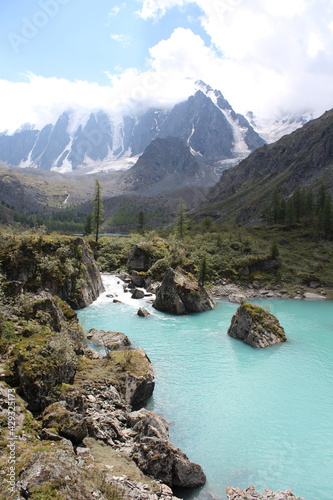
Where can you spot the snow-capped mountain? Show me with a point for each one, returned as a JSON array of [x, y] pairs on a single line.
[[273, 130], [205, 122]]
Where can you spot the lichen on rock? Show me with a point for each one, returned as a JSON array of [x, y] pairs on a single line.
[[256, 326]]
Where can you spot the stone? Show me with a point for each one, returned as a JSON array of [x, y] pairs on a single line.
[[256, 327], [180, 293], [143, 312], [251, 494], [53, 473], [160, 459], [138, 294], [313, 296], [65, 266], [140, 258], [40, 366], [236, 298], [70, 425], [140, 385], [146, 423], [140, 279], [113, 341]]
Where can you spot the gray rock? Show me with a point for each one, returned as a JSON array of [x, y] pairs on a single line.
[[148, 424], [259, 265], [180, 293], [256, 326], [172, 466], [70, 425], [54, 363], [138, 294], [114, 341], [313, 296], [251, 494], [143, 312], [140, 279], [140, 259], [236, 298], [140, 387]]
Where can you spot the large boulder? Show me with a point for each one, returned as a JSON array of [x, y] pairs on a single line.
[[69, 424], [163, 461], [144, 254], [140, 381], [156, 456], [180, 293], [38, 364], [62, 265], [148, 424], [255, 326], [113, 341]]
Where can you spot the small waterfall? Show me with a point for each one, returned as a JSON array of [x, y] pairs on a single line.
[[116, 289]]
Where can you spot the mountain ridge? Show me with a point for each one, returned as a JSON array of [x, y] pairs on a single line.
[[205, 122], [303, 158]]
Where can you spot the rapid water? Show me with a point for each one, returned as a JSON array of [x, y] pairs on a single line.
[[249, 417]]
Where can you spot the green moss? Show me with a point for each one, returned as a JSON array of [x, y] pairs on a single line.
[[120, 462], [131, 361], [68, 312], [63, 388], [266, 320], [47, 491], [30, 425]]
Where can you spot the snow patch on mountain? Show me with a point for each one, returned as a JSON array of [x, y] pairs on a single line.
[[273, 130], [240, 148]]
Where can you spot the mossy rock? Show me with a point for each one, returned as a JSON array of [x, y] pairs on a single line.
[[40, 363], [256, 326], [68, 424]]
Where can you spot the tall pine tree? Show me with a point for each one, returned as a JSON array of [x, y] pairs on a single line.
[[97, 215]]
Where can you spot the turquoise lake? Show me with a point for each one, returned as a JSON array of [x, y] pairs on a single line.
[[249, 417]]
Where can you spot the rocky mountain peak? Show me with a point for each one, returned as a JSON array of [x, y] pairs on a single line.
[[205, 122]]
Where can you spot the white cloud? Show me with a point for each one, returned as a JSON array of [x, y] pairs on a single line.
[[123, 39], [274, 53], [157, 8], [115, 10], [39, 100], [264, 56]]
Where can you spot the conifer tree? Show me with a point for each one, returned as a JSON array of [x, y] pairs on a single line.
[[142, 220], [88, 225], [98, 210], [181, 223], [203, 271]]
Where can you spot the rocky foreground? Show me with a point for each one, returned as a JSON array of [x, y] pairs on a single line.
[[72, 423]]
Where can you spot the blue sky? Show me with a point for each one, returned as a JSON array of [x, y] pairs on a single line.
[[84, 39], [266, 56]]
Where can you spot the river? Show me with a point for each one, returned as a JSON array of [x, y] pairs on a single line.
[[249, 417]]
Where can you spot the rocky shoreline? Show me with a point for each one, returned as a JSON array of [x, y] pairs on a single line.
[[237, 293]]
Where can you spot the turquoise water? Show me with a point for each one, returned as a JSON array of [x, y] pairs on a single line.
[[249, 417]]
